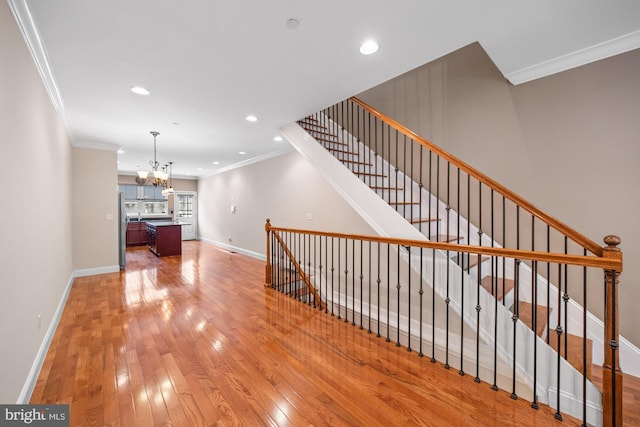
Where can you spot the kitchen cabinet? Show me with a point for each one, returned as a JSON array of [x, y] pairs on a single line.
[[136, 233], [164, 238]]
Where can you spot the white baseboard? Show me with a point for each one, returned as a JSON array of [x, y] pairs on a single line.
[[232, 248], [97, 270], [34, 372]]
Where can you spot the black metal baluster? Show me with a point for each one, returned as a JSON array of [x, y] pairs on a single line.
[[396, 170], [495, 293], [421, 293], [408, 299], [462, 256], [353, 282], [534, 321], [306, 253], [346, 280], [478, 306], [430, 195], [613, 344], [378, 281], [584, 343], [404, 179], [368, 293], [565, 298], [339, 275], [359, 167], [433, 306], [388, 291], [420, 192], [514, 317], [559, 332], [548, 285], [398, 298], [504, 245]]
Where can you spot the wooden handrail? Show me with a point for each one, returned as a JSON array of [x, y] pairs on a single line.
[[605, 263], [569, 232]]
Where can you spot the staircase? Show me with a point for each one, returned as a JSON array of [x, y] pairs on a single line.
[[437, 221]]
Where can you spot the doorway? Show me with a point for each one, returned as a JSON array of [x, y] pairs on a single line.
[[186, 213]]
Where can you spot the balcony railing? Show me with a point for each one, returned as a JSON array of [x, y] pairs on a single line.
[[388, 286]]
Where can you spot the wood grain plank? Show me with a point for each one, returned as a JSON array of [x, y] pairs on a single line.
[[197, 340]]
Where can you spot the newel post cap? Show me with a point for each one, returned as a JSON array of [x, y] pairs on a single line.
[[612, 243], [267, 225]]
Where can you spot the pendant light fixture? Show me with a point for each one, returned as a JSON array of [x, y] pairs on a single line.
[[158, 176], [169, 189]]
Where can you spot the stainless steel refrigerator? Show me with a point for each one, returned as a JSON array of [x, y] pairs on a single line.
[[122, 231]]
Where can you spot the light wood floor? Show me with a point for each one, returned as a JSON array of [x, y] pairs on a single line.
[[197, 340]]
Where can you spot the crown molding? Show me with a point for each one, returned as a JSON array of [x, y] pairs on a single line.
[[575, 59], [288, 148], [97, 145], [22, 15]]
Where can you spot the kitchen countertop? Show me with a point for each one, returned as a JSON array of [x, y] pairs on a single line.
[[161, 223]]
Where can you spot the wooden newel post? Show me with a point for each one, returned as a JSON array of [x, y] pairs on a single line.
[[267, 269], [612, 375]]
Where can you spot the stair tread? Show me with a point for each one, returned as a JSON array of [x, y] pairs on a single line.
[[444, 238], [508, 285], [525, 315], [574, 350], [369, 174], [356, 162], [419, 220], [401, 203], [381, 187]]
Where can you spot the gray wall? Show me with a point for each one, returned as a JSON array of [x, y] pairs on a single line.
[[569, 143]]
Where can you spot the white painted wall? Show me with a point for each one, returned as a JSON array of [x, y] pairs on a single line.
[[35, 213], [285, 189]]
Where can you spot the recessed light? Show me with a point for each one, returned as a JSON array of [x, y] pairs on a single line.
[[252, 118], [369, 47], [215, 163], [139, 90], [121, 151], [292, 23], [277, 138], [242, 152], [200, 169]]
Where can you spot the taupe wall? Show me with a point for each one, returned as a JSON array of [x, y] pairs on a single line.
[[35, 174], [95, 209], [285, 189], [569, 142]]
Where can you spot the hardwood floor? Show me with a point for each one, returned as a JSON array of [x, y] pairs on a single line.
[[197, 340]]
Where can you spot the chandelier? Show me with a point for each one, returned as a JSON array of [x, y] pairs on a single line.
[[158, 175]]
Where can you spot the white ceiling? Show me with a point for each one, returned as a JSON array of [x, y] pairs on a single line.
[[210, 63]]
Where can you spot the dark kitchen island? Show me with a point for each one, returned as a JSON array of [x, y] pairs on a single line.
[[164, 238]]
